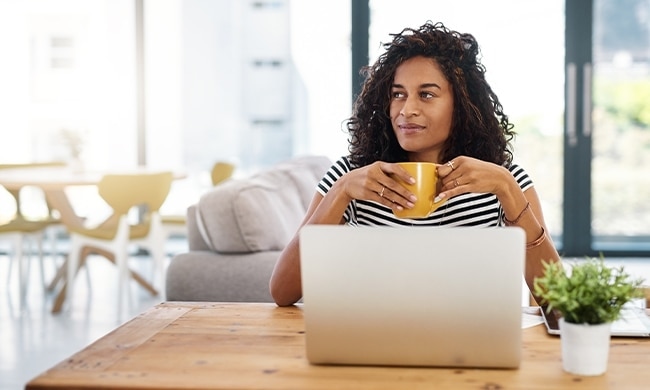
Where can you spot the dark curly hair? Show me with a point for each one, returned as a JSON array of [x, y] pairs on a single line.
[[480, 129]]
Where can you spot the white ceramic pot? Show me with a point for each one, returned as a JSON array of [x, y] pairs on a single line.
[[585, 348]]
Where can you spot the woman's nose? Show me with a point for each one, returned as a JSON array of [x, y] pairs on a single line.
[[410, 107]]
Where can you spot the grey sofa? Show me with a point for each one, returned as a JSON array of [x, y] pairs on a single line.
[[237, 230]]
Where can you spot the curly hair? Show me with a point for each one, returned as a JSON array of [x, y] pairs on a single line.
[[480, 129]]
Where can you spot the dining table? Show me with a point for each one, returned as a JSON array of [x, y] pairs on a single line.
[[56, 181]]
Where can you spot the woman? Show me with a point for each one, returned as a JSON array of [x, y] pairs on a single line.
[[425, 99]]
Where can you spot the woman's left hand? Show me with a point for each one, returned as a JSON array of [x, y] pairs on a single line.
[[466, 174]]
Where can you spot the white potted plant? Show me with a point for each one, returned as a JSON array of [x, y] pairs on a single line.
[[589, 299], [74, 140]]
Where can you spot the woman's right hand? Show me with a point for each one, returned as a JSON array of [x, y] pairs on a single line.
[[375, 182]]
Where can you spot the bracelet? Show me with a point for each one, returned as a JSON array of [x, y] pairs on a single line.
[[538, 241], [514, 222]]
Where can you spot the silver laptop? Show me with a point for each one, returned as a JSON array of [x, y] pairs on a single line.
[[420, 296]]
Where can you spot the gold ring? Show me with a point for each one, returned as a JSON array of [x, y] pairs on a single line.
[[456, 182], [450, 164], [381, 194]]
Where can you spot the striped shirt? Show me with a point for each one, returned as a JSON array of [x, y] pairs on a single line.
[[471, 209]]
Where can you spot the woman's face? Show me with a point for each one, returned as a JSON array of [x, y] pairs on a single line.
[[421, 108]]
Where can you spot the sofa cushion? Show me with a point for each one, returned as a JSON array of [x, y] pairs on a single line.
[[260, 213]]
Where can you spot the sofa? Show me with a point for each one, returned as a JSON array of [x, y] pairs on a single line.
[[237, 230]]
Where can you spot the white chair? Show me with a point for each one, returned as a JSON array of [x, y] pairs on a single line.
[[125, 194], [30, 229], [18, 232]]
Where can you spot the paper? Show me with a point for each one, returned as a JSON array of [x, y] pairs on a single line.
[[530, 316]]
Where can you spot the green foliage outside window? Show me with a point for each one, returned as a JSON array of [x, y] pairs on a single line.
[[627, 101]]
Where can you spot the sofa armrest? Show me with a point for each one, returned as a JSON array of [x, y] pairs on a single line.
[[195, 241]]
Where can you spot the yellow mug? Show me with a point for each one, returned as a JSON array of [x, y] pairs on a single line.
[[425, 189]]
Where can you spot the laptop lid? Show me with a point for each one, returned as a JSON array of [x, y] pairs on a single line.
[[421, 296]]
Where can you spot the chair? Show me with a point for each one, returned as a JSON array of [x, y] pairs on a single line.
[[21, 229], [177, 224], [221, 171], [17, 232], [52, 220], [126, 194]]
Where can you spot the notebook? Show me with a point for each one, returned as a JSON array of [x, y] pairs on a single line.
[[412, 296], [633, 322]]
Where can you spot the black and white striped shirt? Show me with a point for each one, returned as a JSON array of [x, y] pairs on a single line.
[[472, 209]]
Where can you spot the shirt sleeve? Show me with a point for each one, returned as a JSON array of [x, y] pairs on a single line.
[[338, 169], [524, 181]]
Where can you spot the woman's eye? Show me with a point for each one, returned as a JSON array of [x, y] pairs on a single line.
[[397, 94], [426, 95]]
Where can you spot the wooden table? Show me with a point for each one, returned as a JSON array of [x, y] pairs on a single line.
[[179, 345]]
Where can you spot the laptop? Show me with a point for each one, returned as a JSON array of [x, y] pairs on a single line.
[[412, 296], [633, 322]]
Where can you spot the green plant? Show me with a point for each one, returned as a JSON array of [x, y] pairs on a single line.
[[592, 293]]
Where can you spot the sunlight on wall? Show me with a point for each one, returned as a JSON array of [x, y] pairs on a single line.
[[70, 72], [320, 42]]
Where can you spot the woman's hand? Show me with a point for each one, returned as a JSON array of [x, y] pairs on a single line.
[[376, 182], [465, 174]]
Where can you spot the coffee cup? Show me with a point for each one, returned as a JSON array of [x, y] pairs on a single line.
[[425, 189]]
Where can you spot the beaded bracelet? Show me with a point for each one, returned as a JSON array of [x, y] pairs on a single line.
[[514, 222], [538, 241]]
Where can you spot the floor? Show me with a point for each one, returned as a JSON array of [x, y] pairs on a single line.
[[32, 339]]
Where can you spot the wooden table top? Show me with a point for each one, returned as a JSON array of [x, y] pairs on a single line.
[[178, 345]]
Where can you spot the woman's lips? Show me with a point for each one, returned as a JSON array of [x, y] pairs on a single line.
[[410, 128]]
